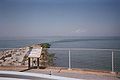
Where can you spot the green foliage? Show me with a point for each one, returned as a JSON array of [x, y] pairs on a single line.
[[51, 58], [45, 45]]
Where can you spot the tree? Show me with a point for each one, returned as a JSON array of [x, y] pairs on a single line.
[[47, 59], [45, 45]]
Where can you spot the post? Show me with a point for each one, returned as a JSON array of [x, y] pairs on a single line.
[[38, 63], [32, 62], [69, 60], [28, 62], [112, 61]]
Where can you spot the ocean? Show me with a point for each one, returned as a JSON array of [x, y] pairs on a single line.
[[85, 59]]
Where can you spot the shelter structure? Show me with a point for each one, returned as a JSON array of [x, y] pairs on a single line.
[[34, 57]]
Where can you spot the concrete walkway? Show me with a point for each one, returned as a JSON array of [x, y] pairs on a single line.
[[59, 72], [77, 74], [31, 76]]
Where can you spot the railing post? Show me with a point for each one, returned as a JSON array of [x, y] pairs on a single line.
[[69, 60], [112, 61]]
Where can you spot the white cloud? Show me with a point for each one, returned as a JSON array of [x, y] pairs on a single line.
[[80, 31]]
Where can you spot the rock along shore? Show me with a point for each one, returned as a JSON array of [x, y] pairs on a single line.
[[15, 56]]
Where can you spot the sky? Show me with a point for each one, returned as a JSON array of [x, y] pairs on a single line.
[[30, 18]]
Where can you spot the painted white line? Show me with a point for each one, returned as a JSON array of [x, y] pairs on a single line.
[[3, 78], [38, 75]]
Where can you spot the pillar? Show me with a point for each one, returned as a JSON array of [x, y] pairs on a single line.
[[37, 62], [28, 62]]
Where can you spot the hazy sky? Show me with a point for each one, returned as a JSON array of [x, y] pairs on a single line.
[[59, 18]]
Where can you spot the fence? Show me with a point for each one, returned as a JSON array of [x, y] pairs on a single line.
[[100, 59]]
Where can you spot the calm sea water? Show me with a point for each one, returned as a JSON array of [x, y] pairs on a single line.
[[100, 60]]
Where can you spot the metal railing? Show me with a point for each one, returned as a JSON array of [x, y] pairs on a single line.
[[88, 49]]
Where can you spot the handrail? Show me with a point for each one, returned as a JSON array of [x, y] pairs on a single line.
[[84, 49], [96, 49]]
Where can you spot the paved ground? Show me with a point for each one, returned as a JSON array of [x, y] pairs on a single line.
[[79, 74], [32, 76], [22, 77]]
